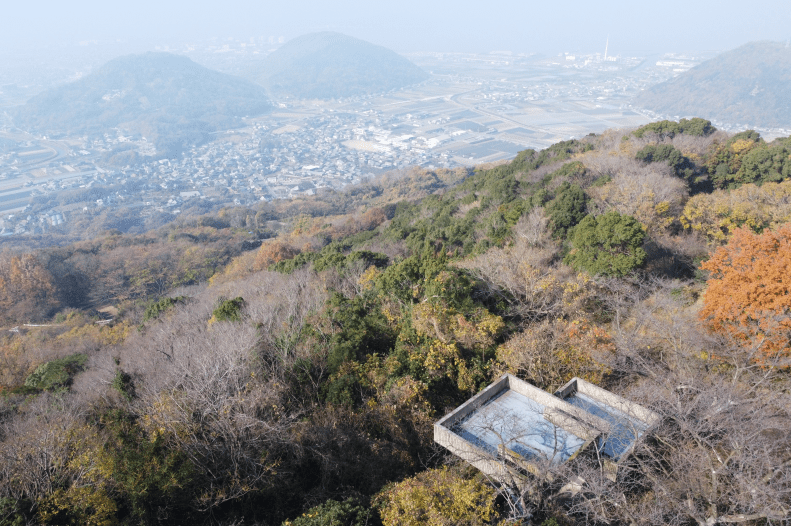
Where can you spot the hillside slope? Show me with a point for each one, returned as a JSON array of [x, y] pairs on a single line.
[[159, 95], [749, 85], [285, 364], [331, 65]]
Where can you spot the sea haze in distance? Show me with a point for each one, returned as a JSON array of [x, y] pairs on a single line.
[[409, 25]]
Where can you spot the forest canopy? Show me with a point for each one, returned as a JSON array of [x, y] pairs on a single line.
[[284, 364]]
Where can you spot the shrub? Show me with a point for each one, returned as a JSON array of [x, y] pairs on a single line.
[[157, 308], [333, 513], [122, 382], [56, 374], [229, 310]]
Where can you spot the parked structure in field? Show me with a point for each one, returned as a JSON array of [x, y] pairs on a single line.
[[512, 429]]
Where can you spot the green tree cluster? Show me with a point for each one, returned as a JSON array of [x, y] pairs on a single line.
[[56, 374], [157, 308], [771, 163], [724, 160], [610, 245], [697, 127], [567, 209], [153, 480], [746, 158], [229, 310], [682, 166]]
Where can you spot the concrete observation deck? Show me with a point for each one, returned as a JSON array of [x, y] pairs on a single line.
[[512, 427], [627, 420]]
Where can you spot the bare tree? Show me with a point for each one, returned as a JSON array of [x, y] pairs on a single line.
[[651, 193], [35, 448], [214, 409], [722, 452], [525, 278], [202, 389], [721, 455]]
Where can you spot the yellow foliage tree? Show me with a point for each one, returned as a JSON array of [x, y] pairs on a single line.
[[450, 332], [84, 506], [475, 330], [438, 497], [718, 214]]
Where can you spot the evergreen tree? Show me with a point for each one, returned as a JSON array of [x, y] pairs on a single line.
[[610, 245]]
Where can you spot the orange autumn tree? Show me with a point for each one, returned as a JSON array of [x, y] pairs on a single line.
[[749, 291], [28, 291], [273, 252]]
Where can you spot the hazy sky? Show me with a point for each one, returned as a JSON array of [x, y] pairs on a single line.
[[521, 26]]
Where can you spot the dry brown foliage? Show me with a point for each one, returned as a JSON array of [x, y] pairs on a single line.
[[652, 194], [550, 353], [525, 277], [272, 252], [27, 289]]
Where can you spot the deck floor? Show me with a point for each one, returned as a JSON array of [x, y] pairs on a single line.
[[625, 428], [517, 422]]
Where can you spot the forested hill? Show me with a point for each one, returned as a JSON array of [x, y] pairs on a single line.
[[164, 97], [749, 86], [331, 65], [284, 365]]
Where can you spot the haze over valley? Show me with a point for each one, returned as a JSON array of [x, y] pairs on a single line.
[[159, 146]]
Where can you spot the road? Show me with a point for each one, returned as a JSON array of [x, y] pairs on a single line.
[[58, 149]]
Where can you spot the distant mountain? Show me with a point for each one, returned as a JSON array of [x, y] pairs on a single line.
[[164, 97], [750, 85], [331, 65]]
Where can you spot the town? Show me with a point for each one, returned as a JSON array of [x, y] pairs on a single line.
[[475, 109]]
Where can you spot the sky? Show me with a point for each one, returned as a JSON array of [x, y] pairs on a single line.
[[524, 26]]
